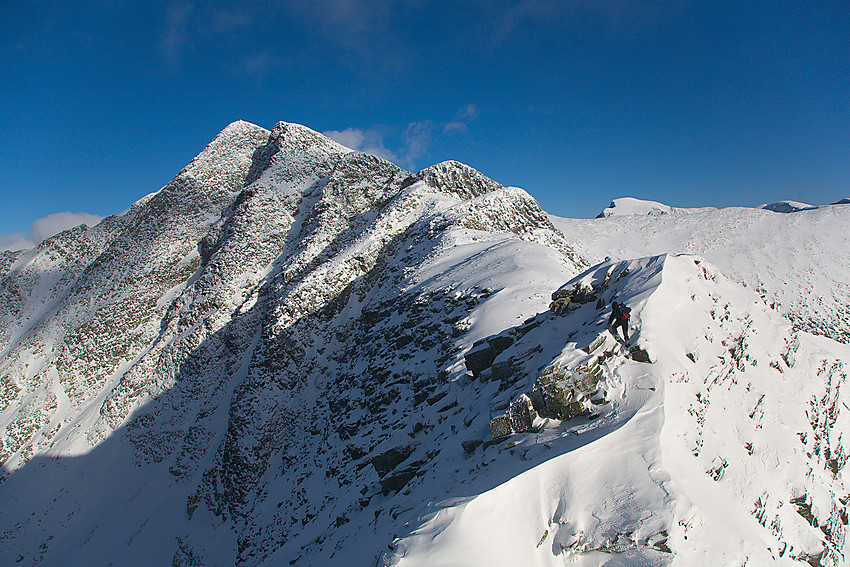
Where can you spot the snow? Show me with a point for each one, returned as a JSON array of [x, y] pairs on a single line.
[[786, 206], [634, 479], [267, 362], [799, 263], [521, 276], [631, 206]]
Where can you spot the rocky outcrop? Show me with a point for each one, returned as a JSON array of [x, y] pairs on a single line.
[[455, 179], [563, 393], [568, 297], [558, 393]]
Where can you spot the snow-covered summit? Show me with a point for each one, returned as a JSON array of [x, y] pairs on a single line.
[[786, 207], [632, 206], [456, 178], [229, 151], [298, 354], [238, 129]]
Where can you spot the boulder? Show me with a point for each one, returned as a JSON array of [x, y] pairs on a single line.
[[500, 426], [595, 344], [519, 418], [522, 414], [389, 460], [567, 299], [398, 480], [563, 393], [482, 358], [639, 355]]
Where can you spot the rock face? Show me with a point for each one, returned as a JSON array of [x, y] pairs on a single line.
[[289, 352], [256, 323]]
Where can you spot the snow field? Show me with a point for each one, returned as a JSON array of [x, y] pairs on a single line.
[[698, 454], [299, 390]]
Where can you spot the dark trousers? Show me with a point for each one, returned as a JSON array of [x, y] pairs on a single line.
[[624, 325]]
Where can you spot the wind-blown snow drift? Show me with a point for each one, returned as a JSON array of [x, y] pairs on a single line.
[[697, 452]]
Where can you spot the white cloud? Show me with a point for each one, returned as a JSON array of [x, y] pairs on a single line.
[[350, 137], [456, 126], [410, 144], [417, 138], [46, 227], [367, 141], [462, 117], [176, 36], [14, 241], [416, 141]]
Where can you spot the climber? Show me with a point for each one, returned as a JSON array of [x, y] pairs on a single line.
[[619, 318]]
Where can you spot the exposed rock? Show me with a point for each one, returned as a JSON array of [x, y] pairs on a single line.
[[482, 358], [500, 426], [522, 414], [562, 393], [567, 299], [519, 418], [455, 178], [398, 480], [594, 344], [638, 354], [389, 460]]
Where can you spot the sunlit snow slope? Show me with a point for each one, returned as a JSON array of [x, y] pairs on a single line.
[[297, 354], [709, 452], [799, 262]]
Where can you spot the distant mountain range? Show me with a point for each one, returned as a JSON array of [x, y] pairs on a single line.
[[298, 354]]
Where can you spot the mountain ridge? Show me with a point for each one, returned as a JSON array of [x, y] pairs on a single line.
[[295, 352], [797, 261]]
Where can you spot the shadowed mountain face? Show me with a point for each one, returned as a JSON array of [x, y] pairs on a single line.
[[233, 327], [298, 354]]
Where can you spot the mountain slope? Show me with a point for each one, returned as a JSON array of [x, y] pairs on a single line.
[[708, 452], [190, 346], [798, 262], [299, 354]]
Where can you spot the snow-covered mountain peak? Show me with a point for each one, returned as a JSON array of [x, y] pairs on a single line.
[[786, 207], [225, 162], [294, 156], [240, 128], [297, 354], [632, 206], [297, 139], [455, 178]]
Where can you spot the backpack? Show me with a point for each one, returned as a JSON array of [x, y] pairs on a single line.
[[621, 312]]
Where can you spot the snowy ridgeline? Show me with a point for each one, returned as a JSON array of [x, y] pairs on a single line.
[[298, 354], [711, 451], [797, 262]]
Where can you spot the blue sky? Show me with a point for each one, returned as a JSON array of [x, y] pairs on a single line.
[[577, 101]]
